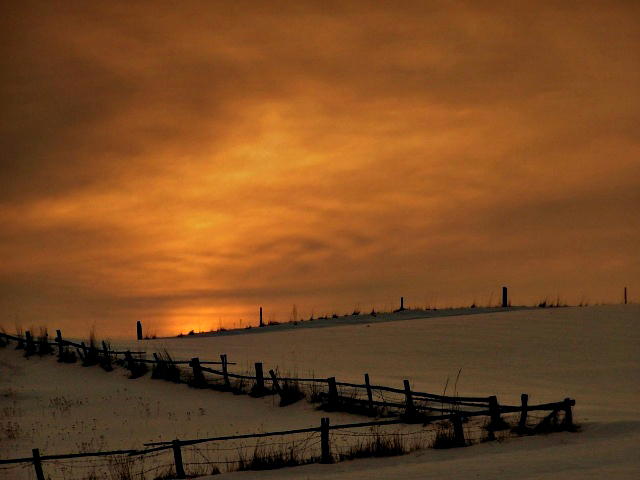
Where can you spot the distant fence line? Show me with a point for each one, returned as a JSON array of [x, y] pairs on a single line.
[[410, 406]]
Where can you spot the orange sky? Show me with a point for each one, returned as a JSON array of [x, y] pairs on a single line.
[[183, 163]]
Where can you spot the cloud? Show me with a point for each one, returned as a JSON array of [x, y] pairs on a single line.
[[175, 161]]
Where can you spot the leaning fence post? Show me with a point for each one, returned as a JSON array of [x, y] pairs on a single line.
[[37, 464], [83, 355], [522, 424], [369, 393], [458, 431], [225, 373], [568, 415], [60, 344], [409, 396], [324, 441], [276, 385], [177, 456]]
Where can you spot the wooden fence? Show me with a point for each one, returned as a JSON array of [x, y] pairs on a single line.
[[326, 455], [413, 405], [408, 405]]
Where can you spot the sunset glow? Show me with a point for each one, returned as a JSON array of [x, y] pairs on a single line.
[[185, 164]]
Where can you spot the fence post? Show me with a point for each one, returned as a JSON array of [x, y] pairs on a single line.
[[198, 376], [261, 324], [276, 385], [505, 298], [259, 377], [407, 392], [522, 424], [83, 355], [37, 464], [30, 349], [106, 362], [324, 441], [177, 456], [568, 415], [369, 393], [458, 431], [494, 410], [401, 303], [139, 330], [60, 344], [333, 390], [225, 373], [130, 362], [625, 295]]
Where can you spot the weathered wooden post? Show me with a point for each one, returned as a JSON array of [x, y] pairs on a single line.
[[333, 390], [198, 377], [410, 409], [625, 295], [106, 357], [522, 424], [139, 330], [225, 373], [177, 456], [259, 378], [37, 464], [458, 431], [401, 303], [369, 392], [568, 415], [131, 365], [505, 298], [261, 324], [494, 411], [324, 441], [60, 344], [30, 349]]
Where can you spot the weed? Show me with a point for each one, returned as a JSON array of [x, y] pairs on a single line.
[[445, 436], [378, 445], [166, 368], [3, 340], [122, 467], [269, 458], [43, 342], [67, 356]]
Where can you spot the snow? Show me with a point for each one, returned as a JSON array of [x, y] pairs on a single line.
[[589, 354]]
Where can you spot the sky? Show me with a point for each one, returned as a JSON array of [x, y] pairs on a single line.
[[184, 163]]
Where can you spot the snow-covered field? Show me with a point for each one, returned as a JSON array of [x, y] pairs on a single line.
[[590, 354]]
